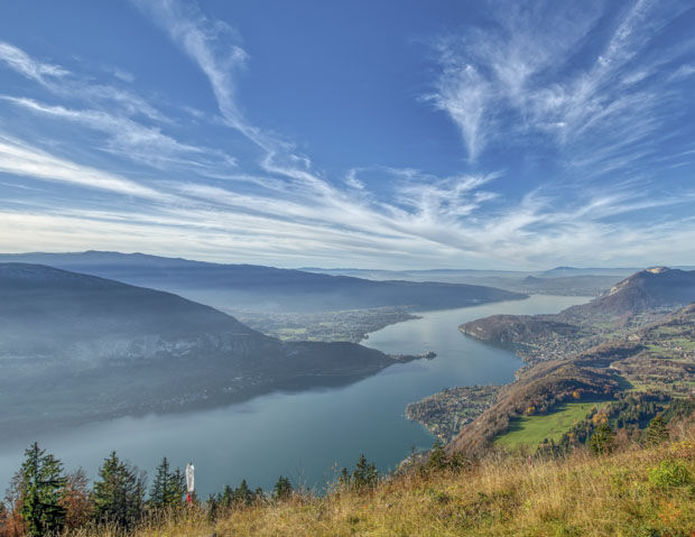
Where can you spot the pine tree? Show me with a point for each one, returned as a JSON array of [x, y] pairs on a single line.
[[243, 494], [119, 493], [167, 487], [437, 459], [365, 474], [283, 488], [657, 431], [602, 441], [40, 484]]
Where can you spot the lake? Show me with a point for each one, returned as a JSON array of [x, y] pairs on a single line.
[[308, 435]]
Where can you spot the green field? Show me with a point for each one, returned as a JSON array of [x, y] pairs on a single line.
[[532, 430]]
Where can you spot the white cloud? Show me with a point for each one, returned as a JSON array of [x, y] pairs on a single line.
[[507, 82], [135, 141], [19, 158], [19, 61]]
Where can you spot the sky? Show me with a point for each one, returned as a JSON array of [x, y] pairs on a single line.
[[360, 133]]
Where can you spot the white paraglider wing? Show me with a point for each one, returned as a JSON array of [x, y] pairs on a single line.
[[190, 477]]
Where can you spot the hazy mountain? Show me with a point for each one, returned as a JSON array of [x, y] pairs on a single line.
[[559, 272], [560, 281], [236, 287], [75, 347]]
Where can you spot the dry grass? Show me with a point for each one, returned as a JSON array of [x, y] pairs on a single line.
[[581, 495]]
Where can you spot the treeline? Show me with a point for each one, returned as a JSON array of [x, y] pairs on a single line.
[[44, 500], [632, 418]]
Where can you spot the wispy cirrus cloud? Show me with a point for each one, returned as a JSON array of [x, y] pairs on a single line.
[[520, 81], [511, 82], [19, 158], [21, 62], [134, 140]]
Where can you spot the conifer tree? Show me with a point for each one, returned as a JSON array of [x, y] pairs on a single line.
[[119, 493], [243, 494], [437, 459], [167, 487], [657, 431], [40, 484], [282, 489], [365, 475], [602, 441]]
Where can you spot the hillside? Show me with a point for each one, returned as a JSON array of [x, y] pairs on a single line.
[[261, 288], [634, 492], [636, 301], [632, 357], [74, 348]]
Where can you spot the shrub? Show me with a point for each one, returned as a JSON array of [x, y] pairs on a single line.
[[670, 474]]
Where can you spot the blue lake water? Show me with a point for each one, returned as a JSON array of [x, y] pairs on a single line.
[[307, 435]]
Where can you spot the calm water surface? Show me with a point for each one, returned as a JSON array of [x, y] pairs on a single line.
[[303, 435]]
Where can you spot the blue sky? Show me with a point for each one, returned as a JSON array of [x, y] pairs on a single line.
[[373, 134]]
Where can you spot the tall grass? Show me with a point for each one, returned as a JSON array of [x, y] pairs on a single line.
[[622, 494]]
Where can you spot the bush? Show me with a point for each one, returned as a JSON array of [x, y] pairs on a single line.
[[670, 474]]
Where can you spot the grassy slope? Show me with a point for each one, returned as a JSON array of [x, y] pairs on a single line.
[[581, 495], [532, 430]]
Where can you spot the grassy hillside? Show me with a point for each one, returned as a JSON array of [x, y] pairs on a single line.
[[532, 430], [637, 492]]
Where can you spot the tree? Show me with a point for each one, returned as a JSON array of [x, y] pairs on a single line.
[[243, 494], [12, 524], [40, 483], [657, 431], [282, 489], [76, 499], [365, 474], [119, 493], [168, 487], [437, 459], [602, 441]]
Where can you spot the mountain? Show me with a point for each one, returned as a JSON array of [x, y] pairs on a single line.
[[640, 298], [253, 287], [75, 347], [559, 272], [561, 281], [652, 288]]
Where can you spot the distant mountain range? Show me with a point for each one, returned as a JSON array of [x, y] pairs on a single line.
[[253, 287], [557, 281], [75, 348]]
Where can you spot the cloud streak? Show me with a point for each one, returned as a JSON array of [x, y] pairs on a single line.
[[509, 87]]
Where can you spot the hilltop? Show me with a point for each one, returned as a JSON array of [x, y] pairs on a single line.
[[75, 348]]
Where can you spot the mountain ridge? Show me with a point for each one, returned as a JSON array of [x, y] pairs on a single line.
[[257, 287], [76, 348]]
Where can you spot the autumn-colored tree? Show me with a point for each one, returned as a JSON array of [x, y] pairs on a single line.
[[76, 499], [11, 521]]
